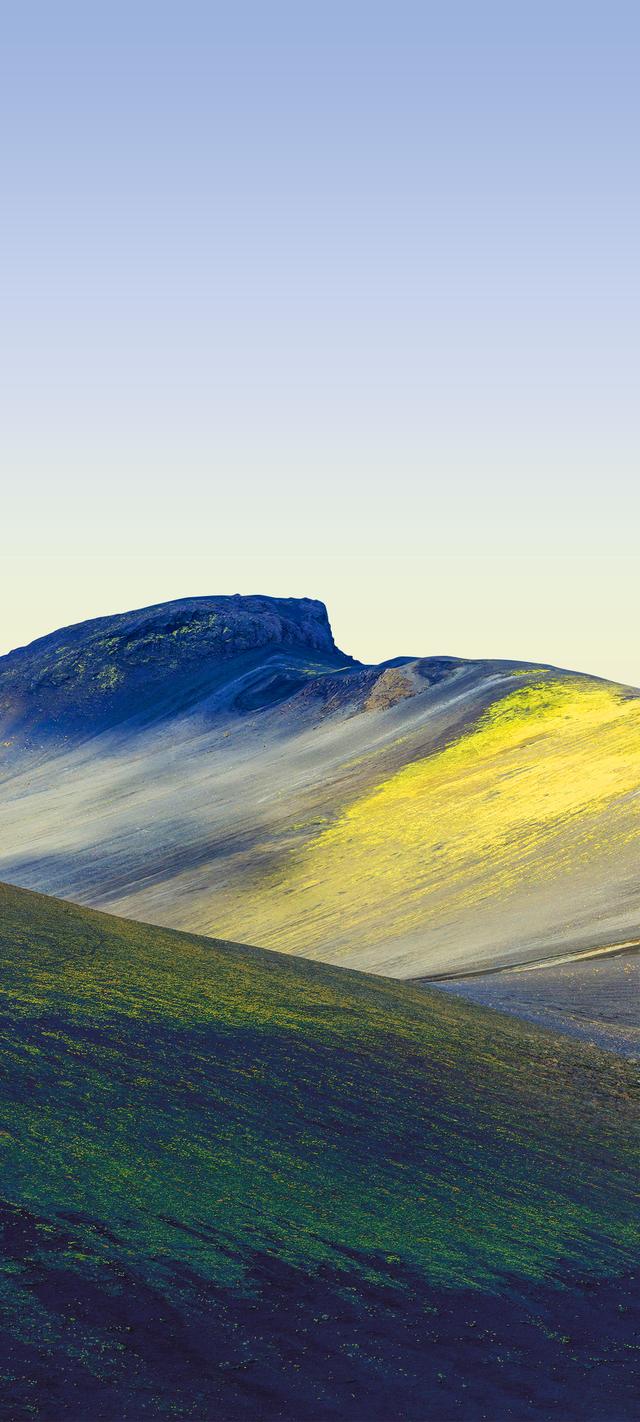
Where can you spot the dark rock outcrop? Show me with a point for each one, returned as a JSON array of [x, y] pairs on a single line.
[[154, 662]]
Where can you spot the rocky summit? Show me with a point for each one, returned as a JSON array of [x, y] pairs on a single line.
[[156, 662]]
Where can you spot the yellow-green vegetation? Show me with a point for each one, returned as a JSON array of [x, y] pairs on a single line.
[[196, 627], [208, 1148], [517, 800], [108, 678]]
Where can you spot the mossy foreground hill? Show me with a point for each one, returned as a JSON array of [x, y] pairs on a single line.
[[241, 1185]]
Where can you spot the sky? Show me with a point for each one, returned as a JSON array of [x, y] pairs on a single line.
[[334, 299]]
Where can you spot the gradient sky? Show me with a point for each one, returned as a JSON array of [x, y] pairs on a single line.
[[338, 299]]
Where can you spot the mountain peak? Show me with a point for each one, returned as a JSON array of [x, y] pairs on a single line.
[[153, 661], [248, 620]]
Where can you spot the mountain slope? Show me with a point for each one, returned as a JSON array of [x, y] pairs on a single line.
[[478, 841], [431, 816], [242, 1184], [595, 998]]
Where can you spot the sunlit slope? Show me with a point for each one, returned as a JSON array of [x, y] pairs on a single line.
[[523, 831], [236, 1183]]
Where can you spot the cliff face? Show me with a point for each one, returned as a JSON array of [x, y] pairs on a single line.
[[152, 662]]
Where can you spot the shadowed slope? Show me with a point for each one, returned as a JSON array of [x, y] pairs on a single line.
[[238, 1183], [594, 998]]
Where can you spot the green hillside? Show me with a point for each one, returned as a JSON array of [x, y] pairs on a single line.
[[238, 1184]]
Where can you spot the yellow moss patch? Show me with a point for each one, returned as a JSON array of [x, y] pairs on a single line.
[[521, 797]]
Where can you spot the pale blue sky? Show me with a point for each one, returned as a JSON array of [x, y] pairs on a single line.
[[333, 282]]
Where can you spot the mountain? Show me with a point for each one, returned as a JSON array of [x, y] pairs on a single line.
[[142, 667], [238, 1184], [218, 765]]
